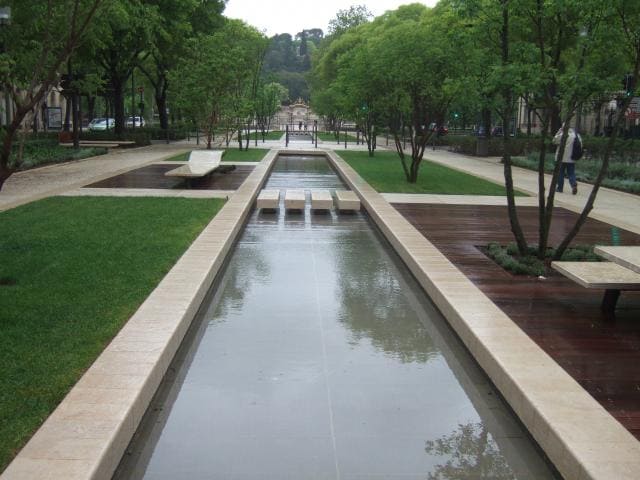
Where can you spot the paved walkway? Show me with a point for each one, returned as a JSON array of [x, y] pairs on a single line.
[[30, 185], [617, 208]]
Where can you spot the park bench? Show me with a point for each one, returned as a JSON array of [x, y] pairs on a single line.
[[347, 200], [623, 273], [268, 200], [201, 163], [321, 200]]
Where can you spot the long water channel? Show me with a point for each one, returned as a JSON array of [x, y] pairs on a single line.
[[318, 356]]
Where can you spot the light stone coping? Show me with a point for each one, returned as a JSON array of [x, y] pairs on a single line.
[[294, 199], [428, 198], [579, 436], [200, 164], [628, 257], [146, 192], [347, 200], [268, 199], [321, 200], [602, 275], [86, 436]]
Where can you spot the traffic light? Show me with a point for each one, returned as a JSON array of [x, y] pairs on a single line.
[[629, 84]]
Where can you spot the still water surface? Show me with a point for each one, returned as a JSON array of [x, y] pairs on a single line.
[[319, 357]]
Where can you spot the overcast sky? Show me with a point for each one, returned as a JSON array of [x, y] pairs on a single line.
[[293, 16]]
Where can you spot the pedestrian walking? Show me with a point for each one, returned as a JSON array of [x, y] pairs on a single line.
[[572, 152]]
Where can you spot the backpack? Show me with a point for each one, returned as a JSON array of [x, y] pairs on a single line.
[[577, 151]]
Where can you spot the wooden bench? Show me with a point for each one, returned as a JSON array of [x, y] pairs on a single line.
[[607, 276], [321, 200], [201, 163], [268, 200], [347, 200], [294, 200]]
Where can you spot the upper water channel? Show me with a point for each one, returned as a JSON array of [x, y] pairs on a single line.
[[318, 356]]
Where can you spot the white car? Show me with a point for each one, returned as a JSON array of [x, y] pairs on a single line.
[[101, 124], [139, 122]]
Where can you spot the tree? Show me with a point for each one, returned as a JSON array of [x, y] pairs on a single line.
[[269, 99], [560, 55], [346, 19], [43, 37], [413, 53], [125, 33], [179, 21], [217, 78]]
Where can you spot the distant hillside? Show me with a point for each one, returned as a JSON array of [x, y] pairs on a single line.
[[289, 59]]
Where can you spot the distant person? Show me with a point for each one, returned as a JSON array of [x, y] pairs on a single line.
[[568, 158], [300, 126]]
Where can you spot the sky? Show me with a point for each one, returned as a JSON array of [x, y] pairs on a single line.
[[293, 16]]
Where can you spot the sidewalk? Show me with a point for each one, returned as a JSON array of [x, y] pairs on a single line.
[[617, 208], [30, 185]]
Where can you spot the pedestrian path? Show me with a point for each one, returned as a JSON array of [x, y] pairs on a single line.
[[30, 185], [617, 208]]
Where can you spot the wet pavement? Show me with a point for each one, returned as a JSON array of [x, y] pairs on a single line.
[[319, 357]]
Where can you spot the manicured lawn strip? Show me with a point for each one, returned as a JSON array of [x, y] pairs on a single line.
[[272, 135], [232, 155], [72, 272], [384, 173], [330, 137]]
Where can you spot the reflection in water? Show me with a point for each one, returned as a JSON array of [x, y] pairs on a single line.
[[239, 281], [372, 302], [320, 357], [471, 453]]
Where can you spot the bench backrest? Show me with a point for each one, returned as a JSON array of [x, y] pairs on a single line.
[[204, 161]]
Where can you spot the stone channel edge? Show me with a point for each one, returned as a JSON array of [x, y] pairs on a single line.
[[85, 437], [578, 435], [87, 434]]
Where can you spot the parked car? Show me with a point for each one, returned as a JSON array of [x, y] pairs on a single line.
[[440, 130], [101, 124], [498, 131], [139, 122]]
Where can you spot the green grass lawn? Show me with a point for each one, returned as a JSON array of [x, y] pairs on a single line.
[[72, 272], [330, 137], [384, 173], [231, 155], [273, 135]]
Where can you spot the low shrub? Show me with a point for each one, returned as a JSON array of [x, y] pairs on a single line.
[[467, 144], [509, 258], [621, 175], [42, 151]]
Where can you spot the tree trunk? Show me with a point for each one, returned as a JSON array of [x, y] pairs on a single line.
[[118, 106], [161, 103], [507, 94], [67, 114], [91, 106], [76, 121]]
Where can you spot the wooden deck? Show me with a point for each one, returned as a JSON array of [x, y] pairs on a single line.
[[562, 317], [152, 176]]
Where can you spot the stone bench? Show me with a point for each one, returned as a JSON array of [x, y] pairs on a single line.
[[294, 200], [268, 200], [347, 200], [321, 200], [607, 276], [201, 163]]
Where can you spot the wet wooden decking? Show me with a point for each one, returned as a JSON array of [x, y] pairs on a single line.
[[152, 176], [562, 317]]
